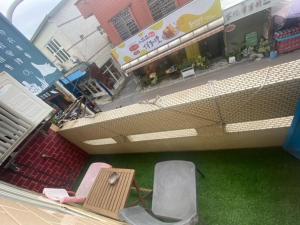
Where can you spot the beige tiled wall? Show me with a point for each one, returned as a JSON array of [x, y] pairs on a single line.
[[16, 213], [245, 102]]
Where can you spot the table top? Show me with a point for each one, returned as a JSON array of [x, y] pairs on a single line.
[[107, 199]]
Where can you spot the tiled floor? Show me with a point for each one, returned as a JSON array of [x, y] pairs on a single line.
[[14, 213], [47, 161]]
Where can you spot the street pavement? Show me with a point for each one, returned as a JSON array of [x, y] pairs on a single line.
[[183, 84]]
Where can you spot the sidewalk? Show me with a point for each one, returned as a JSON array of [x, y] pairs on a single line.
[[199, 79]]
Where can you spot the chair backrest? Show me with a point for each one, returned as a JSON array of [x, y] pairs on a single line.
[[174, 190], [89, 178]]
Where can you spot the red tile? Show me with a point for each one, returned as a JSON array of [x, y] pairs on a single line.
[[48, 172]]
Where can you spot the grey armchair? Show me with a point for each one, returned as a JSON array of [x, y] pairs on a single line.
[[174, 197]]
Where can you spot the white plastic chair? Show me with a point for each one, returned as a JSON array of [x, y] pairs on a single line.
[[174, 197]]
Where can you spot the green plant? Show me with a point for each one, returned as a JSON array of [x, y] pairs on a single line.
[[185, 64], [237, 54], [145, 81], [247, 51], [201, 62], [154, 80], [264, 47], [237, 50]]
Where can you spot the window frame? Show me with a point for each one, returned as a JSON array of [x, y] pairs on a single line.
[[56, 49], [119, 21], [161, 7]]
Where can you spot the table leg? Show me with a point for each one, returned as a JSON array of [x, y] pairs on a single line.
[[135, 184]]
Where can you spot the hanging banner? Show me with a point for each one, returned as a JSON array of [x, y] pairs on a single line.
[[22, 60], [184, 20], [246, 8]]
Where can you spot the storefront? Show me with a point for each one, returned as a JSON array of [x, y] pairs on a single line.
[[176, 45], [247, 28], [99, 85], [260, 27], [184, 62]]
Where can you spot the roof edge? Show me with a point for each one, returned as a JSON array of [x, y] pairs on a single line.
[[46, 18]]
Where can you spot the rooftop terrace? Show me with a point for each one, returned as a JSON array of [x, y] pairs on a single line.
[[240, 187]]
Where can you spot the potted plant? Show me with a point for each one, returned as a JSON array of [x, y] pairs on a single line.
[[186, 68], [264, 47], [236, 54], [200, 62], [153, 78]]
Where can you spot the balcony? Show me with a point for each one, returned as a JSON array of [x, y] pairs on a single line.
[[243, 118]]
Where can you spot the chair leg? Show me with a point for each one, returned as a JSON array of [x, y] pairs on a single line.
[[135, 184], [199, 171], [145, 196]]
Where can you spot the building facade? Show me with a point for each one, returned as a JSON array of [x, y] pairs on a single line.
[[158, 39], [66, 38], [70, 41], [168, 39], [121, 19]]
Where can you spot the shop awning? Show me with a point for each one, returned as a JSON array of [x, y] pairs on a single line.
[[177, 44], [74, 76]]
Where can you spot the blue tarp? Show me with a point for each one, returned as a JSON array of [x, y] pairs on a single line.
[[73, 80], [292, 144], [23, 61], [73, 76]]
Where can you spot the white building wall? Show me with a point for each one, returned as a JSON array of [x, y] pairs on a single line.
[[80, 37]]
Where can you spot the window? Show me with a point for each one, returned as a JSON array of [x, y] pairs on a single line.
[[92, 87], [109, 70], [161, 8], [125, 24], [58, 51]]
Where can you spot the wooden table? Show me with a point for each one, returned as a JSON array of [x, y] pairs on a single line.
[[107, 199]]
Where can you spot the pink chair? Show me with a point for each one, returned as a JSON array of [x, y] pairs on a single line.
[[83, 190]]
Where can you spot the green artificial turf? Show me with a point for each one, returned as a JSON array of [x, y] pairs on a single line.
[[241, 187]]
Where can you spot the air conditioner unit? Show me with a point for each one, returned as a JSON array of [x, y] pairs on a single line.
[[20, 113]]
